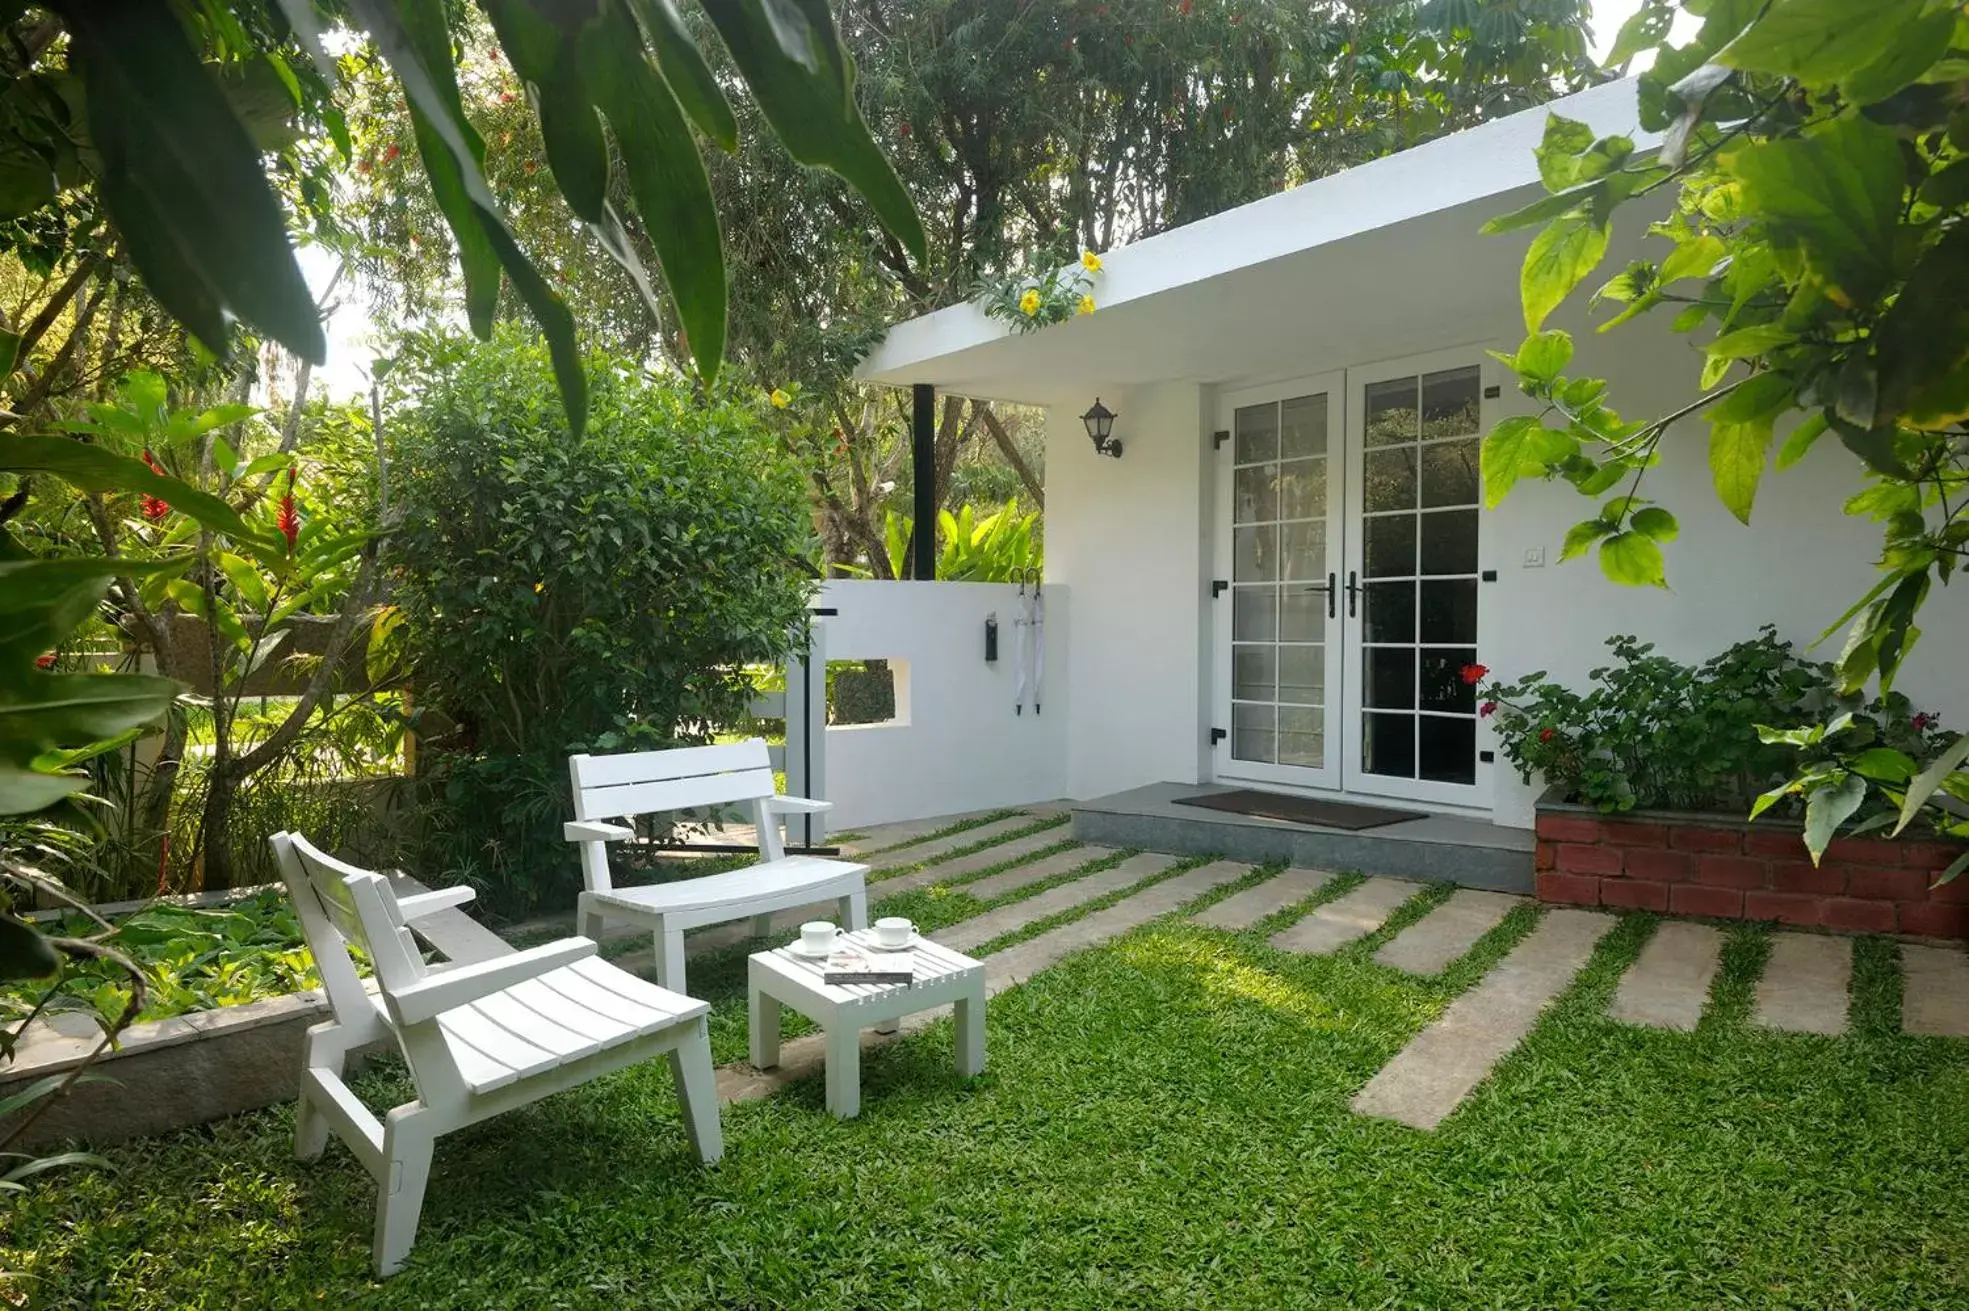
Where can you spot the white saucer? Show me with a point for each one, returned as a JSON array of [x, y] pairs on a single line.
[[800, 948], [914, 940]]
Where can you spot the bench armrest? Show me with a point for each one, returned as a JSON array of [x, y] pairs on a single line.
[[427, 903], [455, 987], [590, 830], [797, 806]]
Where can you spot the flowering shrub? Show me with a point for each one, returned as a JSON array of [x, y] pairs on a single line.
[[1655, 733], [1031, 301]]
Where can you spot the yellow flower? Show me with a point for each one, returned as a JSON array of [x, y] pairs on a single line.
[[1090, 261], [1029, 303], [1086, 305], [780, 399]]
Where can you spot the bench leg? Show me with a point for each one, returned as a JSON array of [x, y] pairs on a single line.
[[762, 1023], [854, 910], [593, 924], [697, 1092], [844, 1072], [408, 1139], [762, 926], [971, 1036], [669, 957], [311, 1128]]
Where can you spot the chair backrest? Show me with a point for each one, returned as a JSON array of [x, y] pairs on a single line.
[[648, 782], [342, 905]]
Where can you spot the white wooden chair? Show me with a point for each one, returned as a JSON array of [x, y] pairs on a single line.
[[633, 783], [480, 1038]]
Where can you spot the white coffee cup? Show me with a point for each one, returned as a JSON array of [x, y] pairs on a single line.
[[894, 931], [818, 936]]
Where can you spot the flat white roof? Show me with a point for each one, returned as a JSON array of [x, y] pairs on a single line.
[[1210, 300]]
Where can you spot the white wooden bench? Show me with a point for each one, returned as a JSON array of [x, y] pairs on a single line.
[[634, 783], [480, 1038]]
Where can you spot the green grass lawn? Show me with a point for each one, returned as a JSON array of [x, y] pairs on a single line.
[[1165, 1124]]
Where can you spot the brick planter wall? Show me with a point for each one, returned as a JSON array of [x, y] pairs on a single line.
[[1713, 866]]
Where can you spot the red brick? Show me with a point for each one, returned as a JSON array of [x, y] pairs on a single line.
[[1784, 907], [1641, 894], [1866, 851], [1877, 884], [1663, 866], [1934, 920], [1696, 837], [1730, 872], [1571, 889], [1695, 899], [1936, 856], [1630, 833], [1546, 857], [1576, 859], [1568, 828], [1804, 876], [1774, 843], [1856, 916]]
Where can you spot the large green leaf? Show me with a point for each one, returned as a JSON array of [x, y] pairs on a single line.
[[1923, 339], [186, 171], [424, 25], [42, 601], [1820, 41], [811, 106], [576, 149], [1560, 258], [1741, 429], [1634, 559], [1834, 197], [1827, 807], [690, 78], [1924, 784], [94, 469], [1506, 449], [51, 710], [673, 193]]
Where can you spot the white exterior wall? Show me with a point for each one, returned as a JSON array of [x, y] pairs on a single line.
[[957, 744], [1129, 537]]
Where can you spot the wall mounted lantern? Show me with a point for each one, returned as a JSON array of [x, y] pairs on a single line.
[[1100, 427]]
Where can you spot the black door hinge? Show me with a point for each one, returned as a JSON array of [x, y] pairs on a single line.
[[1492, 392], [1219, 437], [1217, 735], [1488, 575], [1218, 586]]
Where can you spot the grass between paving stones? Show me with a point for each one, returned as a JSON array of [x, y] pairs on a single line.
[[949, 830], [1039, 824], [1165, 1124]]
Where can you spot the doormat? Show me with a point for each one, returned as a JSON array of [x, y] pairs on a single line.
[[1299, 810]]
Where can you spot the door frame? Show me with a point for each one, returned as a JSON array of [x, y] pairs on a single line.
[[1328, 777], [1356, 781]]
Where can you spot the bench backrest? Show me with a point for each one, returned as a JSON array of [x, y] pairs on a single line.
[[629, 783], [342, 905]]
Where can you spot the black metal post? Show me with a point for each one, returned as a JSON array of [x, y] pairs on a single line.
[[923, 463]]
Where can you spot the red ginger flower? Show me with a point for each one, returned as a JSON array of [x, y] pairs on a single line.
[[1487, 709], [1474, 674], [1547, 734], [46, 660], [154, 507], [288, 520]]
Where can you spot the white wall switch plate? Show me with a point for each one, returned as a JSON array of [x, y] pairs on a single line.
[[1534, 557]]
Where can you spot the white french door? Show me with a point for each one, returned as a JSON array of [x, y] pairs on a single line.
[[1350, 512]]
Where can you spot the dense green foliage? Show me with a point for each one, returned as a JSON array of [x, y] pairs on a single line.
[[1819, 151], [1655, 733], [997, 546], [560, 595]]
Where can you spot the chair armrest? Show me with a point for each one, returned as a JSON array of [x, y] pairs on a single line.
[[589, 830], [427, 903], [453, 988], [797, 806]]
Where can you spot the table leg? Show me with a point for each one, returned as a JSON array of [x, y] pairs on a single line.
[[971, 1036], [762, 1021], [844, 1072]]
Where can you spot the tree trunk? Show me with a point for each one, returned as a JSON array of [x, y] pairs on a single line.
[[1010, 451]]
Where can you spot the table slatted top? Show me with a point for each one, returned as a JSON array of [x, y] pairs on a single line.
[[931, 962]]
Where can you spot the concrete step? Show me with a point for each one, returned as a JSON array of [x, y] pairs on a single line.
[[1009, 918], [1806, 984], [1668, 984], [996, 831], [1431, 1076], [950, 871], [1935, 1000], [1246, 908], [1353, 914], [1441, 938]]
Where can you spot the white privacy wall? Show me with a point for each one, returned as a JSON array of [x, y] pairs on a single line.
[[1128, 536], [957, 744]]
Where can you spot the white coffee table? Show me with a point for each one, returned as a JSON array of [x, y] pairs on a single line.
[[784, 977]]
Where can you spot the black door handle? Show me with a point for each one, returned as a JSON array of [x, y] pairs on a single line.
[[1354, 589], [1332, 598]]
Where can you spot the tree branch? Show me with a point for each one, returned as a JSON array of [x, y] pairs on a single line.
[[1010, 451]]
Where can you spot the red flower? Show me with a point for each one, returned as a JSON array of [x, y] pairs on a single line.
[[155, 508], [151, 460], [45, 660], [1183, 6], [1922, 721], [904, 129], [505, 97], [288, 519], [1487, 709], [1474, 674], [389, 156], [1546, 734]]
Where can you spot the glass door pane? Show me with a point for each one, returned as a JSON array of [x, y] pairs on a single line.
[[1280, 477], [1420, 493]]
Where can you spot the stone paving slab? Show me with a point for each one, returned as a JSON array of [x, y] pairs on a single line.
[[1019, 876], [1023, 960], [1935, 1000], [884, 836], [1244, 909], [980, 929], [996, 831], [1441, 938], [1352, 915], [949, 870], [1668, 984], [1431, 1076], [1805, 984]]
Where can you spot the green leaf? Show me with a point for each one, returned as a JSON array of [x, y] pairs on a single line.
[[1560, 258], [569, 127], [691, 79], [1751, 342], [1647, 26], [1558, 152], [59, 1159], [1820, 41], [1543, 356], [246, 581], [1832, 197], [1504, 453], [1545, 208], [556, 323], [1928, 780], [1800, 441], [42, 601], [1741, 429], [1916, 48], [1694, 257], [812, 105], [1827, 807], [1581, 536], [1632, 558], [94, 469], [1884, 765], [182, 179], [1922, 342], [1657, 523], [41, 1088]]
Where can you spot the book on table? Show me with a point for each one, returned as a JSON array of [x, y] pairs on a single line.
[[854, 965]]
